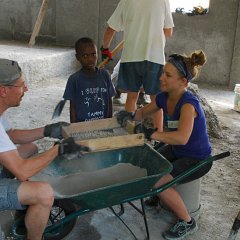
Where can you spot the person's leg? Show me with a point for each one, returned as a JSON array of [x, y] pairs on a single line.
[[151, 85], [165, 151], [172, 199], [117, 99], [39, 197], [27, 150], [131, 102], [118, 94], [143, 99], [129, 81]]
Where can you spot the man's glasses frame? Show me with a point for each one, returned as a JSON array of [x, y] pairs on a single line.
[[19, 86]]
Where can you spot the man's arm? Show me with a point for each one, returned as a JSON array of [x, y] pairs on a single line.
[[25, 136], [108, 36], [168, 32], [19, 136], [26, 168]]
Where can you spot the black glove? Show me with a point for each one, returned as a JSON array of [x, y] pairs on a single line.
[[138, 128], [148, 132], [54, 130], [123, 116], [69, 146], [106, 53]]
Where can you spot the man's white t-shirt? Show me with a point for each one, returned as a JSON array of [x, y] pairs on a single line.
[[5, 142], [142, 22]]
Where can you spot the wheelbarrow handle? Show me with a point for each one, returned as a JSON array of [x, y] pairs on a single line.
[[235, 228], [191, 171], [220, 156]]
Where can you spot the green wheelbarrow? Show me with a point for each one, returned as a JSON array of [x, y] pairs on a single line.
[[88, 193]]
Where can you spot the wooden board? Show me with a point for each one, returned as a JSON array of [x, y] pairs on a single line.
[[115, 142], [38, 23], [100, 124], [129, 139]]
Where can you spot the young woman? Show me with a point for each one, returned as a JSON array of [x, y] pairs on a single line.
[[185, 133]]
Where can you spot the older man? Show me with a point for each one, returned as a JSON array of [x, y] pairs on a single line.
[[20, 161]]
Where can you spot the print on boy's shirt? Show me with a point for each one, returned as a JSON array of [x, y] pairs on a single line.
[[93, 100], [90, 94], [91, 91], [96, 98], [86, 101], [95, 115]]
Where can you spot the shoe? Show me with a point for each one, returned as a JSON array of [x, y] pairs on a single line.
[[152, 202], [118, 101], [180, 230], [143, 99]]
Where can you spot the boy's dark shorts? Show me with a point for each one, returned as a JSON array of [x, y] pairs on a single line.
[[134, 75], [182, 164], [8, 194]]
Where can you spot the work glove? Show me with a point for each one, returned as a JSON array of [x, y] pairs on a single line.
[[138, 128], [148, 132], [54, 130], [124, 116], [69, 146], [106, 53]]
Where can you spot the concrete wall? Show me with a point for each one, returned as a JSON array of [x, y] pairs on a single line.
[[214, 33], [17, 20], [76, 19], [235, 66], [217, 33], [84, 18]]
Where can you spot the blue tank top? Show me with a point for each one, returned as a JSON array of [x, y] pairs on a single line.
[[198, 145]]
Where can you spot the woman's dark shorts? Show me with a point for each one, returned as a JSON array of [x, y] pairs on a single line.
[[182, 164]]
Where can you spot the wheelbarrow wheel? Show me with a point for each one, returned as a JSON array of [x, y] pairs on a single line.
[[60, 209]]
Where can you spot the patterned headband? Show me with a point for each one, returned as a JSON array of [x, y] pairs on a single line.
[[178, 62]]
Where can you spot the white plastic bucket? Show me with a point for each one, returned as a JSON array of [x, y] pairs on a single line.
[[190, 193], [237, 98]]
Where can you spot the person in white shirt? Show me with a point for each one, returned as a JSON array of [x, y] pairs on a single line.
[[145, 25], [16, 191]]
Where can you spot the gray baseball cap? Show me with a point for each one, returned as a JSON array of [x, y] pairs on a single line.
[[9, 71]]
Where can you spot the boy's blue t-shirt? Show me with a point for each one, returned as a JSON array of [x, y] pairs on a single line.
[[90, 94], [198, 145]]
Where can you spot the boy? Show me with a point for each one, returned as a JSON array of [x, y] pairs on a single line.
[[90, 90]]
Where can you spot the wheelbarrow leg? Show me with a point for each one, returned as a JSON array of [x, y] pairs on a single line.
[[145, 219], [118, 216], [121, 211], [143, 213]]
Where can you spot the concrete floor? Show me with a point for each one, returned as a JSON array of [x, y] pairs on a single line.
[[102, 224]]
